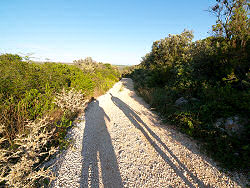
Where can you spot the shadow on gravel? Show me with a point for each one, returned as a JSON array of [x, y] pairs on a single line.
[[138, 123], [128, 84], [97, 146]]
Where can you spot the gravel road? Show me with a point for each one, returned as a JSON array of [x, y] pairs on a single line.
[[119, 142]]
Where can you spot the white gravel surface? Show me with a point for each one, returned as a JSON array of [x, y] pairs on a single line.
[[121, 143]]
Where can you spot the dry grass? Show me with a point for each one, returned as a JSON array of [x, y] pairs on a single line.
[[14, 120], [122, 88]]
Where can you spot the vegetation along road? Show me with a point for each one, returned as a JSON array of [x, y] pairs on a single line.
[[119, 142]]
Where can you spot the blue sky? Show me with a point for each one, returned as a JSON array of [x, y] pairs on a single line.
[[113, 31]]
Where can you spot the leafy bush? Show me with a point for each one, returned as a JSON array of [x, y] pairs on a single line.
[[38, 102], [105, 75], [212, 75]]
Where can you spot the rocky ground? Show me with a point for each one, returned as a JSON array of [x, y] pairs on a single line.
[[119, 142]]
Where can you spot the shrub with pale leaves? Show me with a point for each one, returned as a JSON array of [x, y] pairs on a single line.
[[70, 100], [20, 166]]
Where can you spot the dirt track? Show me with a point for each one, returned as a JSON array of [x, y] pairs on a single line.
[[121, 143]]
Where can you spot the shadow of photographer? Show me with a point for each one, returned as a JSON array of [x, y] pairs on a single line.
[[98, 152]]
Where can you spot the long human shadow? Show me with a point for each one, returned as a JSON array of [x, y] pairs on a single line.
[[138, 123], [97, 145], [128, 84]]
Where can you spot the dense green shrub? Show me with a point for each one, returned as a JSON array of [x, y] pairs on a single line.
[[212, 75], [103, 75], [27, 89]]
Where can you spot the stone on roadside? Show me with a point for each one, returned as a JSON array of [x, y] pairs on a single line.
[[230, 125], [181, 101]]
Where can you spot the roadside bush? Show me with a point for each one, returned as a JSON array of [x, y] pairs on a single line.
[[38, 102], [213, 77]]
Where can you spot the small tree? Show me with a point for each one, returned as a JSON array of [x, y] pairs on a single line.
[[233, 25], [232, 19]]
